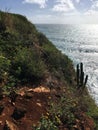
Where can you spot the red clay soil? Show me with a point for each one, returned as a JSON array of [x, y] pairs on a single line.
[[34, 102]]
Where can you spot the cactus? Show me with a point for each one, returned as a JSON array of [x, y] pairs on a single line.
[[81, 80], [78, 74]]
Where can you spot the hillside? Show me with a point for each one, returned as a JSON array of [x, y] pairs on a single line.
[[38, 82]]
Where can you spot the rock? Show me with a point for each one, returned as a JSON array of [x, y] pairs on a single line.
[[19, 113], [13, 95], [10, 126], [1, 109], [28, 95]]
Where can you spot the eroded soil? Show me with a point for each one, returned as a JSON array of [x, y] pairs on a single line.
[[33, 101]]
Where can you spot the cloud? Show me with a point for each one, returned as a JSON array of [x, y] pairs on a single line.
[[67, 19], [44, 18], [63, 6], [95, 5], [41, 3], [77, 1], [65, 11], [93, 10]]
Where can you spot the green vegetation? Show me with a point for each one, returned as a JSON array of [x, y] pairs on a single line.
[[45, 124], [70, 110], [29, 53], [28, 57]]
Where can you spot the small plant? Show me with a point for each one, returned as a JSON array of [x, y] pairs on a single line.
[[61, 112], [4, 69], [45, 124], [81, 81]]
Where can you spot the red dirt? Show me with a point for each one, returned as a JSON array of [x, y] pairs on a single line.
[[35, 102], [35, 106]]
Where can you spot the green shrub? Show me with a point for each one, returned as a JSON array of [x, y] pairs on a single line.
[[45, 124], [4, 68], [59, 64], [2, 26], [62, 111], [42, 39], [27, 65]]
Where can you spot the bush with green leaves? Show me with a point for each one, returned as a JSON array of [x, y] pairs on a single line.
[[45, 124], [4, 68], [61, 111], [58, 64], [27, 65]]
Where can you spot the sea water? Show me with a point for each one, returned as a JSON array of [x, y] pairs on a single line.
[[80, 43]]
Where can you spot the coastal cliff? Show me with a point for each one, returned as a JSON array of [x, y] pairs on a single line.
[[38, 88]]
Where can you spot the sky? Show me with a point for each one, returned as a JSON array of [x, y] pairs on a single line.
[[54, 11]]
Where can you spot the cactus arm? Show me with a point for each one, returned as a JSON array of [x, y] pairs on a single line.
[[85, 82], [78, 74]]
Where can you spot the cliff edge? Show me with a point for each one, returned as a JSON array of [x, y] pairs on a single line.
[[38, 88]]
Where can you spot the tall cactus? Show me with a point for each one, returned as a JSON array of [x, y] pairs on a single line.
[[78, 73], [81, 80]]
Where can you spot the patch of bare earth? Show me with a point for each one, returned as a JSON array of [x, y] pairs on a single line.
[[22, 110], [29, 106]]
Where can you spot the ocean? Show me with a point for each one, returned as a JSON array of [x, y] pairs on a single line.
[[80, 43]]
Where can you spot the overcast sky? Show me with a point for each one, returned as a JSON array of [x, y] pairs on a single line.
[[54, 11]]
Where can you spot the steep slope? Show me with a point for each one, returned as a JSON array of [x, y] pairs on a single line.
[[28, 53], [28, 58]]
